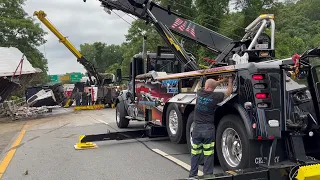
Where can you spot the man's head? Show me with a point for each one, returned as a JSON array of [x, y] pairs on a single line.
[[210, 85]]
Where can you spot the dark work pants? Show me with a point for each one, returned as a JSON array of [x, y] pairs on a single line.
[[203, 137], [89, 100]]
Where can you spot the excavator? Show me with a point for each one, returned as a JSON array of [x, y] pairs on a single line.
[[106, 92]]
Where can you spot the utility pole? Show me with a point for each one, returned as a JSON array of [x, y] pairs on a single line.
[[144, 47], [144, 51]]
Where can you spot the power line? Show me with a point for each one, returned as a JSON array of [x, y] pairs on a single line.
[[122, 18], [192, 18], [129, 24], [210, 16]]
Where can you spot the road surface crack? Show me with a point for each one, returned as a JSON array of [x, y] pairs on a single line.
[[57, 128]]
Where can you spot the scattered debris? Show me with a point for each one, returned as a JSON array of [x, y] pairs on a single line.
[[29, 112], [18, 109]]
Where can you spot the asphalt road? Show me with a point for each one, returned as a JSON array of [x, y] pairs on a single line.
[[46, 151]]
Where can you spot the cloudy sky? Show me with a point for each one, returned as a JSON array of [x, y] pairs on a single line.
[[81, 23]]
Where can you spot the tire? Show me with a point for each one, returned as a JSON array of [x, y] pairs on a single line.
[[232, 123], [121, 120], [177, 129], [188, 134]]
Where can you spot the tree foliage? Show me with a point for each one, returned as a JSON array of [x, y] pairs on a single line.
[[20, 31], [102, 56]]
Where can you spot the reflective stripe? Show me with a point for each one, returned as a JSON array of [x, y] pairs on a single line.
[[207, 146], [196, 146], [208, 153], [196, 152]]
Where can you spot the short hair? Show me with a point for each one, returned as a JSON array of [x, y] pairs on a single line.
[[211, 83]]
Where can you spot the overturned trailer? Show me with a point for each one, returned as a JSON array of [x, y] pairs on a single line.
[[15, 71]]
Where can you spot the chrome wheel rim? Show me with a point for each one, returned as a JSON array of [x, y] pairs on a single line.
[[231, 147], [118, 117], [173, 122], [191, 130]]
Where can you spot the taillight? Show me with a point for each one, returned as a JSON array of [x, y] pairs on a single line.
[[262, 96], [257, 77]]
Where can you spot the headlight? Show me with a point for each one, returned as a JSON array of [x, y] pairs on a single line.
[[302, 96], [308, 94]]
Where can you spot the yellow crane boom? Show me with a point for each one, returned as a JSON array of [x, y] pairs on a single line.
[[92, 71], [42, 17]]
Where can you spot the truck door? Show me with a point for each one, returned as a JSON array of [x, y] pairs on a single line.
[[314, 84]]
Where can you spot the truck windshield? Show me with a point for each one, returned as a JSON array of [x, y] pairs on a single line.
[[167, 65]]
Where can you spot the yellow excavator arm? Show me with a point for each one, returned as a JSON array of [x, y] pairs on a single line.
[[42, 17]]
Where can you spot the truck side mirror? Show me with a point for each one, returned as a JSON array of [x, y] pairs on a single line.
[[119, 75]]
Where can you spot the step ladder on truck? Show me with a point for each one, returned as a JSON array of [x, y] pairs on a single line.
[[268, 128]]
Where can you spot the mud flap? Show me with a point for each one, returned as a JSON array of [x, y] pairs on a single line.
[[261, 150]]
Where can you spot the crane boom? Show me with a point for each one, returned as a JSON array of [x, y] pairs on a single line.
[[177, 23], [41, 15], [255, 42]]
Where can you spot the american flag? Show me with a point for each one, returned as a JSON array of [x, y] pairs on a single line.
[[192, 32], [177, 22], [190, 29], [183, 26]]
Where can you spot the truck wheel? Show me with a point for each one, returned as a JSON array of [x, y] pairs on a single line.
[[122, 121], [175, 124], [232, 143], [189, 128]]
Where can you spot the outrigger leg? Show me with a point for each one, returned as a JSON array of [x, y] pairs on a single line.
[[86, 141]]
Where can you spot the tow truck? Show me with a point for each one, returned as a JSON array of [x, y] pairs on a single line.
[[106, 92], [268, 128]]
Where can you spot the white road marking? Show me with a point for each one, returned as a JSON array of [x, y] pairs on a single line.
[[102, 121], [175, 160]]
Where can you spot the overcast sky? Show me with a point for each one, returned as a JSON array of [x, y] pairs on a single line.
[[81, 23]]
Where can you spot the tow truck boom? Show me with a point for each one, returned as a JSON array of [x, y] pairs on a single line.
[[223, 46], [176, 22], [80, 58]]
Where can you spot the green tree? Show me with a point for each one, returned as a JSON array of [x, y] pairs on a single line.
[[94, 54], [101, 55], [89, 52], [112, 54], [18, 30], [209, 14], [134, 41]]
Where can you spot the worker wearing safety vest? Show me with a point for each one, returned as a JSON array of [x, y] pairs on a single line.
[[203, 134]]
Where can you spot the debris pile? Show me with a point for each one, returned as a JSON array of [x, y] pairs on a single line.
[[18, 109], [29, 112]]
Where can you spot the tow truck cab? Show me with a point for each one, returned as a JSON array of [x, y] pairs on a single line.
[[269, 120]]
